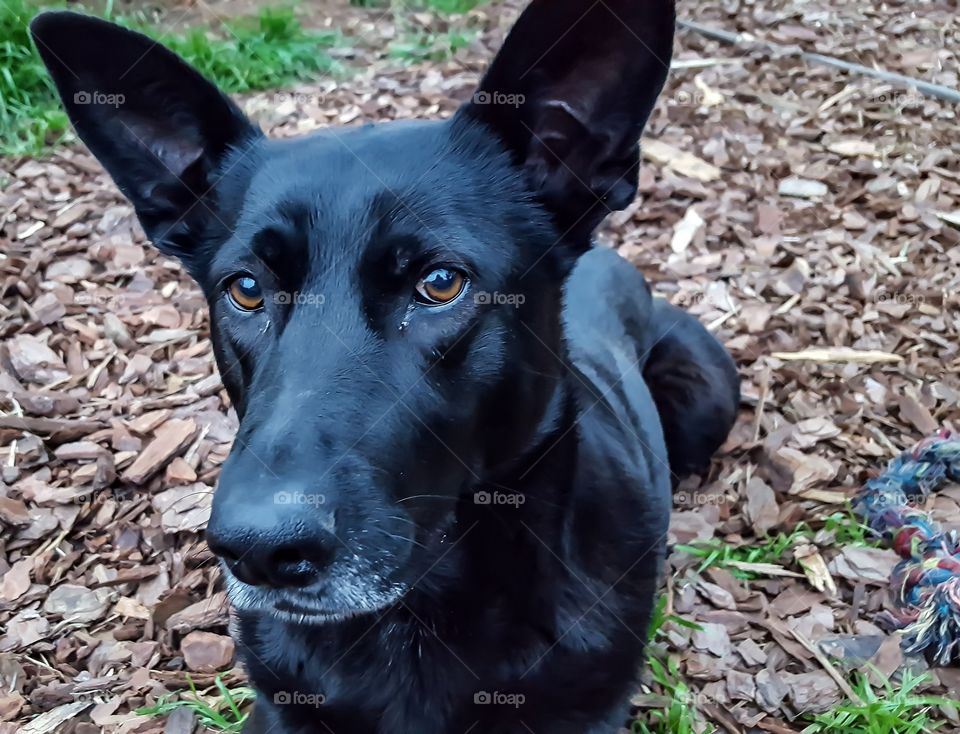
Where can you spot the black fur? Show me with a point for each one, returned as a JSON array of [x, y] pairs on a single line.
[[435, 519]]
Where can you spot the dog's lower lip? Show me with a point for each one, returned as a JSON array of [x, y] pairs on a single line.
[[287, 606], [310, 613]]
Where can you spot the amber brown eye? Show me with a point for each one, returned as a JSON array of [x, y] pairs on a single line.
[[245, 293], [440, 286]]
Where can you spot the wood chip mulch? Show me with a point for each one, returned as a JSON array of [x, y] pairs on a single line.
[[791, 207]]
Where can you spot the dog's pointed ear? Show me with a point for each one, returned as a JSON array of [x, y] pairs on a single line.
[[156, 124], [569, 94]]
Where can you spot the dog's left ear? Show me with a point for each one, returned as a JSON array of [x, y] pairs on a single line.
[[160, 129], [569, 94]]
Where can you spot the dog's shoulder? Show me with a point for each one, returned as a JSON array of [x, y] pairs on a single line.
[[608, 332], [607, 324], [607, 302]]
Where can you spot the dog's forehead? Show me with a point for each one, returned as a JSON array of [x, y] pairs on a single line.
[[328, 199], [339, 168], [337, 186]]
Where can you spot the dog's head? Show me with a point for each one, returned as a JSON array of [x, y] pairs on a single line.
[[384, 300]]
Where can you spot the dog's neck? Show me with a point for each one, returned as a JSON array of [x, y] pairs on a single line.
[[557, 417]]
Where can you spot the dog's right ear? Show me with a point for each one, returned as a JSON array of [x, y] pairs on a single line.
[[155, 123], [569, 94]]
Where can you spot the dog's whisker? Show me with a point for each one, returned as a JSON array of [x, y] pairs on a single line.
[[424, 497], [400, 518], [556, 377], [400, 537]]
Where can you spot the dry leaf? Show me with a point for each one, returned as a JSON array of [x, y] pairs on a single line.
[[686, 164], [686, 229], [815, 568], [802, 188], [206, 652], [853, 148], [838, 354], [762, 509], [865, 564]]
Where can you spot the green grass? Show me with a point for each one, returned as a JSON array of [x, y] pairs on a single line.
[[890, 709], [659, 618], [679, 715], [28, 110], [847, 529], [245, 54], [257, 53], [422, 45], [217, 712], [720, 554], [439, 6], [451, 6], [843, 526]]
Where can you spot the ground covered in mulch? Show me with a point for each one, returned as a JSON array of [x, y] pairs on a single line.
[[789, 206]]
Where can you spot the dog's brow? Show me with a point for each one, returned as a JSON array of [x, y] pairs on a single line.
[[284, 244], [392, 243], [393, 252]]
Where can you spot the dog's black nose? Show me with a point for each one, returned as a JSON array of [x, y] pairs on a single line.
[[263, 562], [275, 541]]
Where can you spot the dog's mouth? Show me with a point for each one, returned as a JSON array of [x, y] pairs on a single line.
[[337, 599], [334, 604], [304, 613], [359, 584], [307, 613]]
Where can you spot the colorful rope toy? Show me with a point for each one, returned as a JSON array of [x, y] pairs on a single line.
[[926, 583]]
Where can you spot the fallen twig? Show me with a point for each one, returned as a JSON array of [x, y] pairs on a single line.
[[933, 90]]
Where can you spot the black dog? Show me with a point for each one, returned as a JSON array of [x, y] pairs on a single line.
[[446, 507]]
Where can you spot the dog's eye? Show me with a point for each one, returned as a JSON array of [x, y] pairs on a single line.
[[245, 293], [440, 286]]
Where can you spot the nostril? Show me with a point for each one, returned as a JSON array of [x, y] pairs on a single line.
[[287, 557], [290, 567], [273, 551], [245, 572]]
